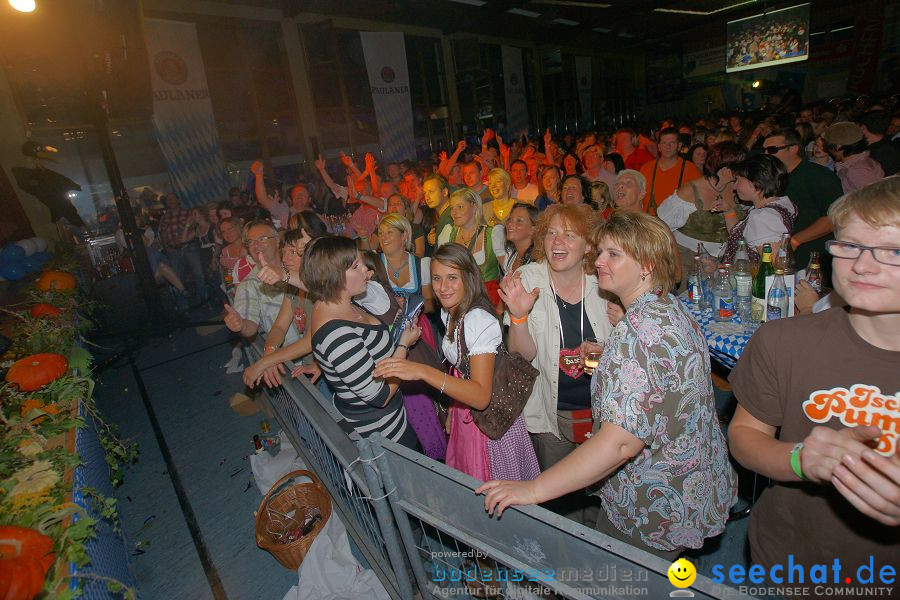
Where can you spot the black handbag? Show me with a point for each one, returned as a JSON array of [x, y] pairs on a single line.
[[512, 385]]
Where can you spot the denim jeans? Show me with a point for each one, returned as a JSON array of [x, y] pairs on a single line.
[[187, 263]]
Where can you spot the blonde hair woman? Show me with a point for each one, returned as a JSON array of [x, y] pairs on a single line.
[[497, 210], [487, 244]]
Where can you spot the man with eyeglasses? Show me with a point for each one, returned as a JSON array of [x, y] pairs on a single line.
[[847, 145], [812, 188], [256, 304], [668, 172], [819, 404]]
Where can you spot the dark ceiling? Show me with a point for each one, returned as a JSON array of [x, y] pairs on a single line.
[[589, 24]]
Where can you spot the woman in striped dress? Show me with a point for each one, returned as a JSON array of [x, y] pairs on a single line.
[[348, 340]]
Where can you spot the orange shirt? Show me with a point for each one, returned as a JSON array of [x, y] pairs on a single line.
[[666, 181]]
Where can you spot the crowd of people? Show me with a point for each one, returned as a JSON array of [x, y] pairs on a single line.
[[399, 296]]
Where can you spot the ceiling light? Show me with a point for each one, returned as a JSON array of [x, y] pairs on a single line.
[[842, 29], [816, 33], [602, 30], [25, 6], [565, 22], [471, 2], [703, 13], [756, 84], [623, 34], [523, 13], [581, 3]]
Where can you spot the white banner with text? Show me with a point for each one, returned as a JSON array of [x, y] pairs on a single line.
[[385, 54], [182, 113]]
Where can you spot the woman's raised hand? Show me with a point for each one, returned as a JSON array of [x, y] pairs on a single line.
[[518, 301], [412, 332]]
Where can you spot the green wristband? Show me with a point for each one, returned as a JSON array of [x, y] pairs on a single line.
[[795, 461]]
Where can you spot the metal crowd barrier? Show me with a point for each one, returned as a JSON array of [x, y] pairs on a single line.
[[455, 549], [311, 424], [398, 503]]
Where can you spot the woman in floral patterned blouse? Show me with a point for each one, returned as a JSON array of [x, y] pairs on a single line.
[[660, 455]]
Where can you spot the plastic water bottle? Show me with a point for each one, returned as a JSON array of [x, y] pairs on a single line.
[[695, 283], [723, 298], [777, 300]]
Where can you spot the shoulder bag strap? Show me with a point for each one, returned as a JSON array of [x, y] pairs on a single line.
[[652, 204], [474, 239], [681, 173]]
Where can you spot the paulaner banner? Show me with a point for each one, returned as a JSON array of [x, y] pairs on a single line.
[[585, 86], [182, 113], [389, 82], [514, 85]]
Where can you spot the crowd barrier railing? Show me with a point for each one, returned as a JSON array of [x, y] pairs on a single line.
[[410, 513], [312, 425], [455, 549]]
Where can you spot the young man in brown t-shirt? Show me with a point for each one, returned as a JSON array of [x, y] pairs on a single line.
[[819, 407]]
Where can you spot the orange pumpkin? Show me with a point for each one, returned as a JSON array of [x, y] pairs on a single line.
[[32, 403], [56, 280], [45, 310], [34, 372], [25, 558]]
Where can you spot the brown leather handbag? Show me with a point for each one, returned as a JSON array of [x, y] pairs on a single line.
[[513, 382]]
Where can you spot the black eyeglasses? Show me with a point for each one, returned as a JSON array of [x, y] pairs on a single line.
[[883, 254], [776, 149]]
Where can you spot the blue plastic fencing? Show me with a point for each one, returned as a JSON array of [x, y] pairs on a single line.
[[108, 550]]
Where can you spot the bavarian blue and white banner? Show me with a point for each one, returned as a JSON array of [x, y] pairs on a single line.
[[585, 86], [389, 83], [514, 86], [182, 113]]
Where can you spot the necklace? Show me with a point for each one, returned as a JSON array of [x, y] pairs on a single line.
[[499, 212], [395, 271], [565, 306]]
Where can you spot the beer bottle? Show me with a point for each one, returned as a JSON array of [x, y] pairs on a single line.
[[759, 283], [814, 272]]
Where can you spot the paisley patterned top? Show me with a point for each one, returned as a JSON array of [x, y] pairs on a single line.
[[654, 381]]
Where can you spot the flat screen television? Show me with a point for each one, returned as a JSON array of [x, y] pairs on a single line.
[[772, 38]]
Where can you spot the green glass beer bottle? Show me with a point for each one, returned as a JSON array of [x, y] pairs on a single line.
[[766, 268]]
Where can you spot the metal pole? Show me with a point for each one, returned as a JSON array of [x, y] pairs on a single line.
[[133, 236], [388, 531]]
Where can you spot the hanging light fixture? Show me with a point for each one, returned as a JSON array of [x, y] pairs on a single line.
[[25, 6]]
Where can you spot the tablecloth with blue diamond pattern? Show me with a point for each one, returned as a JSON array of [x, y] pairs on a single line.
[[726, 340]]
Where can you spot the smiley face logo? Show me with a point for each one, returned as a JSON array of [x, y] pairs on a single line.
[[682, 573]]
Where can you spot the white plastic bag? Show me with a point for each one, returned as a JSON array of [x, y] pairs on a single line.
[[268, 469], [330, 572]]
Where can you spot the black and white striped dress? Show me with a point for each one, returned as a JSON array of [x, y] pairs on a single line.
[[347, 352]]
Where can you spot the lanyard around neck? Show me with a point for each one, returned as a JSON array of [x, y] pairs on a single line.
[[562, 333]]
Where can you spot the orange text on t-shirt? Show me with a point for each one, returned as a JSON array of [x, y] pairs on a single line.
[[860, 405]]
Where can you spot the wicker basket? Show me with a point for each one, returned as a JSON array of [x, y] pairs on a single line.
[[284, 509]]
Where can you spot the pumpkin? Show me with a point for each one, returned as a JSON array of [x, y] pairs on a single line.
[[56, 280], [25, 558], [44, 310], [32, 403], [34, 372]]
